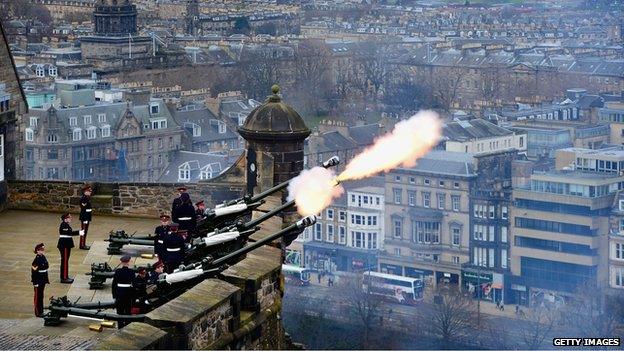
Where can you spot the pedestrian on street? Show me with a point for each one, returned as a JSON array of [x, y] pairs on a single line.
[[319, 277], [502, 307], [517, 309]]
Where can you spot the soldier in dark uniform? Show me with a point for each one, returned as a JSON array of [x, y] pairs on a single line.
[[200, 208], [174, 245], [140, 290], [123, 293], [39, 277], [158, 269], [185, 214], [176, 203], [160, 233], [85, 216], [65, 244]]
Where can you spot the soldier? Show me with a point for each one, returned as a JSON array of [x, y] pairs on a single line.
[[65, 244], [174, 245], [140, 290], [122, 289], [39, 277], [158, 269], [201, 207], [177, 202], [185, 214], [160, 233], [85, 215]]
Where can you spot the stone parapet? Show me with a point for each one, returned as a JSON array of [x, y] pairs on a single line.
[[135, 336], [129, 199]]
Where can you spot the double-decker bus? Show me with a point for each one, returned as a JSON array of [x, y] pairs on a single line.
[[405, 290], [296, 275]]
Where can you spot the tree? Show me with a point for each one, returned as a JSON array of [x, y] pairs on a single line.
[[445, 85], [373, 65], [535, 325], [365, 306], [591, 312], [241, 25], [311, 65], [451, 317], [260, 68]]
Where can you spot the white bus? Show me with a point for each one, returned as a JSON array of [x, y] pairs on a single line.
[[296, 275], [405, 290]]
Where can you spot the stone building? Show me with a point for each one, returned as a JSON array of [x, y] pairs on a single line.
[[427, 218], [81, 139], [478, 136], [12, 106]]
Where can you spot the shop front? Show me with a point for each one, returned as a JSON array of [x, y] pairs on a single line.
[[330, 257], [481, 285]]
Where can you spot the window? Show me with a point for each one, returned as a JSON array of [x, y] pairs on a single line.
[[617, 251], [397, 195], [91, 133], [52, 154], [222, 127], [318, 232], [491, 211], [503, 234], [33, 121], [504, 258], [455, 202], [371, 220], [29, 134], [412, 180], [184, 172], [154, 108], [479, 256], [397, 251], [504, 212], [456, 236], [371, 241], [617, 277], [342, 216], [521, 141], [456, 259], [330, 214], [411, 198], [427, 181], [425, 232], [456, 185], [73, 121], [105, 131], [150, 144], [159, 123], [102, 117], [87, 119], [621, 225], [398, 228], [160, 162], [490, 257], [426, 199], [40, 71], [441, 183], [77, 134], [478, 232], [491, 233], [149, 161], [330, 233], [160, 143], [196, 130], [342, 235], [397, 178], [52, 138], [441, 201]]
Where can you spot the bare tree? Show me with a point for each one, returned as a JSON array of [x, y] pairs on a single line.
[[311, 66], [591, 313], [451, 317], [445, 86], [373, 65], [536, 324], [365, 306], [260, 69]]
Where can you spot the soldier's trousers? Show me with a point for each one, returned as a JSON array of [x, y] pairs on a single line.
[[123, 306], [38, 299], [84, 225], [65, 252]]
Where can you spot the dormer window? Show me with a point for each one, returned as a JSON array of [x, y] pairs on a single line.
[[154, 108], [621, 205], [73, 121], [184, 172], [33, 121], [40, 71], [52, 72], [159, 123], [196, 130], [102, 117], [105, 131], [87, 119]]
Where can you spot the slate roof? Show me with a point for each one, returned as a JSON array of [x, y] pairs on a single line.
[[473, 129], [216, 162], [364, 135], [446, 163]]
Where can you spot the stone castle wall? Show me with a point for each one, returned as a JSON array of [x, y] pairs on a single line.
[[129, 199]]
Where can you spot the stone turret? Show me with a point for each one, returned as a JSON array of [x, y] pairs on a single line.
[[275, 133]]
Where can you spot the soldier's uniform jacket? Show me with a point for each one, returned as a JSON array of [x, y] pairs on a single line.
[[186, 217], [85, 208], [39, 271], [174, 207], [199, 213], [152, 278], [160, 233], [65, 236], [122, 283], [174, 246]]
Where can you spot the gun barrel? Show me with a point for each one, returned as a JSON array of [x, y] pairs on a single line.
[[130, 241], [305, 222], [81, 312]]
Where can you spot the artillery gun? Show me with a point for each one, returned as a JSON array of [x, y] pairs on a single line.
[[168, 286]]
